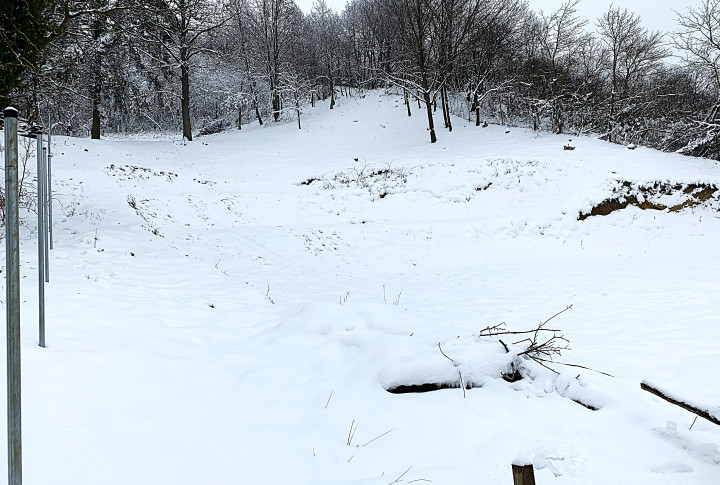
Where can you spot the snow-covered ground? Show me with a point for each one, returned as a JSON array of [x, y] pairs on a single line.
[[233, 310]]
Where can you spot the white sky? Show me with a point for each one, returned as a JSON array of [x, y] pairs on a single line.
[[656, 14], [336, 5]]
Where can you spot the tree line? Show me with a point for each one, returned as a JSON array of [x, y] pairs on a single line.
[[194, 66]]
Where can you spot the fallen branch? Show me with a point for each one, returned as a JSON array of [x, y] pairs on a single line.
[[703, 413], [542, 350], [579, 366], [500, 329]]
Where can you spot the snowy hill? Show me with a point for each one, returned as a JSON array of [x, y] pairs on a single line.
[[235, 310]]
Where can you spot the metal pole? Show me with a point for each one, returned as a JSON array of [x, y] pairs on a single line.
[[41, 242], [45, 215], [12, 285], [49, 177]]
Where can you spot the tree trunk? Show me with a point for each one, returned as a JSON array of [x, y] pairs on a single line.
[[332, 87], [446, 109], [276, 100], [431, 123], [613, 94], [185, 96], [96, 82], [476, 104], [407, 101], [95, 91], [95, 130], [239, 118], [276, 104], [252, 91], [443, 107]]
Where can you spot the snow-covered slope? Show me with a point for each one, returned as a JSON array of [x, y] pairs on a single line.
[[234, 309]]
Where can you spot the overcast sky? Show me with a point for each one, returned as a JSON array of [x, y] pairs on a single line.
[[656, 14]]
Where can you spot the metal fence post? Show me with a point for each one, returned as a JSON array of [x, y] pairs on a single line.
[[12, 284], [45, 213], [49, 178], [41, 242]]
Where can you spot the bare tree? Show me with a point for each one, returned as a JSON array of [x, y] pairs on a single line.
[[273, 28], [178, 27], [415, 64], [458, 27], [633, 50], [561, 33], [295, 85], [493, 50], [326, 33], [699, 40]]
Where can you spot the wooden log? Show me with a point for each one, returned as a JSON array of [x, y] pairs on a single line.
[[703, 413], [523, 473]]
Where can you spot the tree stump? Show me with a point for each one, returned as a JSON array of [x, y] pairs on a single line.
[[523, 473]]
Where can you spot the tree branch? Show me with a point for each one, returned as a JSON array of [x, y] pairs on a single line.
[[703, 413]]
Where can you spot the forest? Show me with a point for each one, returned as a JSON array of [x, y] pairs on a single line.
[[201, 66]]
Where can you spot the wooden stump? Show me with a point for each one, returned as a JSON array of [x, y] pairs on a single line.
[[523, 473]]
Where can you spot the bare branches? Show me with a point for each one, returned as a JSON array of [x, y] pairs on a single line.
[[542, 345], [699, 40], [462, 382], [351, 433], [500, 329]]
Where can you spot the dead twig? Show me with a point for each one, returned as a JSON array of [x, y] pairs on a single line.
[[330, 397], [507, 350], [351, 433], [378, 437], [581, 367], [462, 382], [500, 329], [398, 479]]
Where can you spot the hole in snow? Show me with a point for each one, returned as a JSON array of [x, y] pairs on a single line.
[[427, 387]]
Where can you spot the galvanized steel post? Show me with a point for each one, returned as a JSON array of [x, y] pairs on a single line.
[[41, 241], [49, 178], [45, 214], [12, 285]]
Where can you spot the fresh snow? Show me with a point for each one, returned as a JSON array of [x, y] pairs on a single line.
[[232, 310]]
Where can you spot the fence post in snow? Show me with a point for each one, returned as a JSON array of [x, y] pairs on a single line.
[[523, 473], [49, 183], [45, 215], [41, 240], [12, 288]]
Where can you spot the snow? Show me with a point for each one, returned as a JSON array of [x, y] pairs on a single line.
[[212, 319]]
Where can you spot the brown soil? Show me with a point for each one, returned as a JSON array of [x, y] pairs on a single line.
[[696, 194]]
